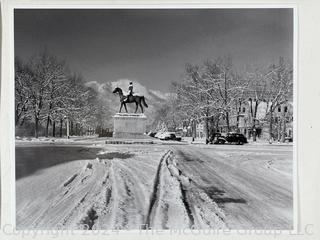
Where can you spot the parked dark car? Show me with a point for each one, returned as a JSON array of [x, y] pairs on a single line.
[[218, 138], [170, 136], [152, 134], [237, 138], [288, 139]]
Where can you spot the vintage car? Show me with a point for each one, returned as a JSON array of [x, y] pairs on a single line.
[[232, 137], [169, 136]]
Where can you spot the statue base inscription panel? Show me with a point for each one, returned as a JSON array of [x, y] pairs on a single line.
[[129, 125]]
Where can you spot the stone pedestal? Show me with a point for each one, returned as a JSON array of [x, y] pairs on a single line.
[[129, 125]]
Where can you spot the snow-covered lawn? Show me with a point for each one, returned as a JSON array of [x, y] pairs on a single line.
[[114, 183]]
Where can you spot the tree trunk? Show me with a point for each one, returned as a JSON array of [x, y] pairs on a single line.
[[254, 132], [68, 130], [47, 126], [206, 132], [17, 118], [238, 116], [270, 127], [227, 121], [254, 128], [238, 120], [61, 122], [212, 127], [283, 132], [279, 129], [217, 124], [71, 128], [54, 129], [194, 129], [76, 131], [36, 129], [22, 121], [250, 119], [226, 101]]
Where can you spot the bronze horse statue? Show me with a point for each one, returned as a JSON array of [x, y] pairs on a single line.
[[130, 99]]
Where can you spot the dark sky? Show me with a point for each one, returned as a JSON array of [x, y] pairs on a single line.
[[152, 46]]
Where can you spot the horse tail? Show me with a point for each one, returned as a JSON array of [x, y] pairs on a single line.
[[144, 102]]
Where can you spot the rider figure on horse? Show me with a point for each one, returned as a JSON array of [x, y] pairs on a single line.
[[130, 92]]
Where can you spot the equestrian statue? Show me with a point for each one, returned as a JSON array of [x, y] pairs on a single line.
[[131, 97]]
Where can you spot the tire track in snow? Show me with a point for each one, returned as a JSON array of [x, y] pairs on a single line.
[[85, 196], [70, 180], [174, 190], [128, 209], [155, 194], [72, 218], [73, 184], [99, 205]]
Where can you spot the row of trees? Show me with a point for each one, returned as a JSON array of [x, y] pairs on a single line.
[[47, 94], [215, 90]]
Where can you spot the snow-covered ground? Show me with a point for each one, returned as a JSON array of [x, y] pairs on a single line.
[[99, 186], [251, 184]]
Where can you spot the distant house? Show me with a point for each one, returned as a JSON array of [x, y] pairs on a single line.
[[200, 130], [241, 120]]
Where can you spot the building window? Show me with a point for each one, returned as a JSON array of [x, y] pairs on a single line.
[[243, 109], [285, 109], [279, 109]]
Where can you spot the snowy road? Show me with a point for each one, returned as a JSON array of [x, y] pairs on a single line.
[[159, 186], [252, 185]]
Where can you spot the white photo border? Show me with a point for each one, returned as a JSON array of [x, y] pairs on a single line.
[[7, 140]]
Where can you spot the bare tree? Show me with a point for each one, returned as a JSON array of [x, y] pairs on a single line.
[[192, 96], [255, 95], [81, 106], [208, 92], [167, 115], [37, 85], [273, 86], [279, 81], [22, 77], [46, 92], [226, 88], [53, 92], [215, 90]]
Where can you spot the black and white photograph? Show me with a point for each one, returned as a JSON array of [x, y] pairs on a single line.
[[154, 118]]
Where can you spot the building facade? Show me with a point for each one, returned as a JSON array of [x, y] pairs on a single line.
[[245, 121]]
